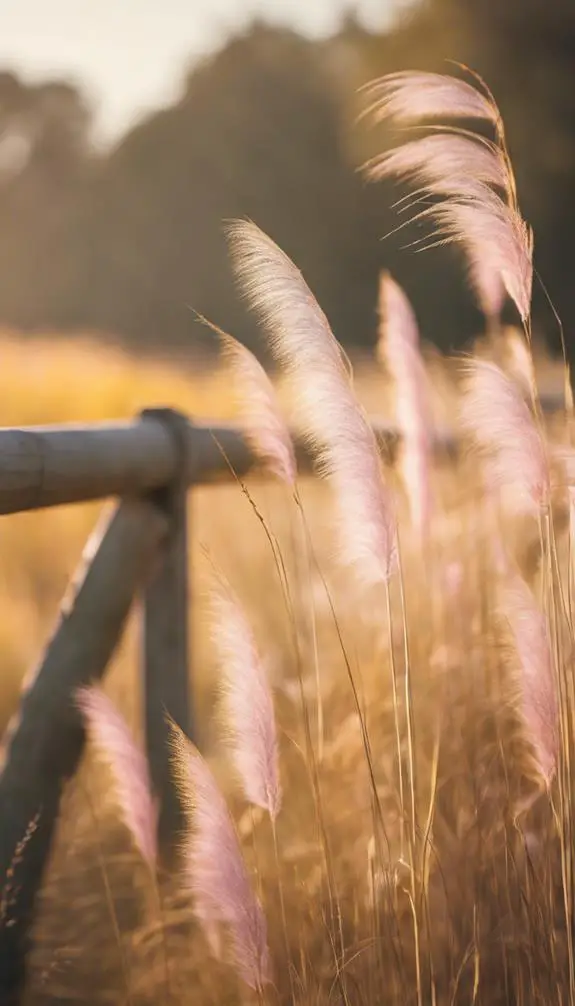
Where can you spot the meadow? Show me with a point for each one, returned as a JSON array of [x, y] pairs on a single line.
[[413, 843], [459, 724]]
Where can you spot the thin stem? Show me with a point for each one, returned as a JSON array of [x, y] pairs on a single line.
[[289, 964], [313, 621], [408, 702], [396, 719]]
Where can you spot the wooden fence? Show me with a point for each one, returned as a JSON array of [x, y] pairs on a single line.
[[149, 465]]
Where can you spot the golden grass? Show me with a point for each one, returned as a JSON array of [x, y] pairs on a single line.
[[51, 381], [466, 912]]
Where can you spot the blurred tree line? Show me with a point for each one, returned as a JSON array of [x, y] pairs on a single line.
[[130, 241]]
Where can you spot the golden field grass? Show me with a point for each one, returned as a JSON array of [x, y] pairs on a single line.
[[430, 896]]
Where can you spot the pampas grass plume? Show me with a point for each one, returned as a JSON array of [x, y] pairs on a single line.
[[409, 96], [491, 231], [442, 158], [263, 423], [248, 702], [398, 348], [536, 677], [497, 241], [496, 416], [488, 285], [214, 867], [326, 408], [116, 747]]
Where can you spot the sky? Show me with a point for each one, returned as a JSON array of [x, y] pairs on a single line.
[[130, 55]]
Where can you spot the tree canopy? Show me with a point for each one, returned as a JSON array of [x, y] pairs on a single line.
[[130, 241]]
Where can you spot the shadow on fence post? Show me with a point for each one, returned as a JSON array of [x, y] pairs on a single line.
[[166, 609], [44, 741]]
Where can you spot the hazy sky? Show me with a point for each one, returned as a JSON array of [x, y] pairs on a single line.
[[131, 53]]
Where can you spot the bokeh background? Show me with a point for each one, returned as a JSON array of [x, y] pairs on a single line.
[[129, 132]]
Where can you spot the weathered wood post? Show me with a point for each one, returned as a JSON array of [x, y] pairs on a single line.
[[166, 609], [44, 741]]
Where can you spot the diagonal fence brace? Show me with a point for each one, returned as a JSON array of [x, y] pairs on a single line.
[[44, 741]]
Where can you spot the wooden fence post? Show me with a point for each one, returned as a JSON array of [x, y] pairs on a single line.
[[166, 669], [44, 742]]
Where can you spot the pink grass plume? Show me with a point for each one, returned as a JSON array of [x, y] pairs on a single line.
[[215, 871], [248, 703], [487, 284], [493, 232], [465, 169], [326, 409], [497, 244], [496, 416], [115, 746], [536, 680], [297, 329], [409, 96], [442, 158], [398, 348], [262, 421]]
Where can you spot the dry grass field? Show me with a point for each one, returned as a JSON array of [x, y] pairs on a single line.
[[406, 872], [395, 738]]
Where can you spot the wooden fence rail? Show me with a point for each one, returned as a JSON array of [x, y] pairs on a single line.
[[149, 464]]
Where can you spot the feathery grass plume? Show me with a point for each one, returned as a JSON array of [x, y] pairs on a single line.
[[398, 348], [497, 242], [326, 408], [116, 747], [408, 96], [248, 702], [490, 230], [297, 328], [263, 424], [488, 286], [487, 224], [496, 416], [536, 680], [215, 870], [442, 158]]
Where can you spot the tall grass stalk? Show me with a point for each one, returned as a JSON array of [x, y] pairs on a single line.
[[397, 724], [283, 578]]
